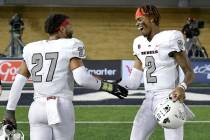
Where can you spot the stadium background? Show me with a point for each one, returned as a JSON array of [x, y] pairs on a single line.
[[101, 29], [108, 33]]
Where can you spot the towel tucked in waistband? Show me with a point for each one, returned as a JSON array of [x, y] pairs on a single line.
[[53, 115]]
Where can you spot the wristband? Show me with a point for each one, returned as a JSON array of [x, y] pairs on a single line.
[[183, 85]]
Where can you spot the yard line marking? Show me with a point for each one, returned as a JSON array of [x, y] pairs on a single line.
[[112, 122]]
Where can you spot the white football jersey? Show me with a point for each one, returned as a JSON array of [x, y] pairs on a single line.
[[160, 68], [48, 64]]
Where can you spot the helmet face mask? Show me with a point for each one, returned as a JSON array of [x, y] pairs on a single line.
[[170, 114], [6, 134]]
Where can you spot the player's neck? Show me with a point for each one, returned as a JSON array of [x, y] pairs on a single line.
[[155, 31], [53, 37], [56, 36]]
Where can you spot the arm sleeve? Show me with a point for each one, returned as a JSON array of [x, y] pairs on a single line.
[[83, 78], [15, 91], [135, 47], [24, 53], [134, 80]]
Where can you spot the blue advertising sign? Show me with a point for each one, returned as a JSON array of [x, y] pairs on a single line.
[[201, 68], [106, 69]]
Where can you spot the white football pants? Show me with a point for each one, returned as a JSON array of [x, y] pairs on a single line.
[[145, 122], [39, 128]]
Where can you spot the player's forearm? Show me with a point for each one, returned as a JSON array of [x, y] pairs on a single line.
[[189, 76], [134, 80], [15, 91], [184, 63], [83, 78]]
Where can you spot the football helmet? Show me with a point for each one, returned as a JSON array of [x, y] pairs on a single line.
[[170, 114], [8, 134]]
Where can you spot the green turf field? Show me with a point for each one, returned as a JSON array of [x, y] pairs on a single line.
[[115, 122]]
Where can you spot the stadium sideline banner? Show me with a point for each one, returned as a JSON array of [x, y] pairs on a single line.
[[106, 69], [201, 68], [9, 69]]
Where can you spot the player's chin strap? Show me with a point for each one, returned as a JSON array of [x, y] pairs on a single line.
[[189, 114]]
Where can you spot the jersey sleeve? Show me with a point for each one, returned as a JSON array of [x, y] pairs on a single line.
[[176, 42], [78, 49], [135, 47], [24, 53]]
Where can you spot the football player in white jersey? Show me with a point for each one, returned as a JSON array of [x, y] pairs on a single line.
[[158, 55], [53, 65]]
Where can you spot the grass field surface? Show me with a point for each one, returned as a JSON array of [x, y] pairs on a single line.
[[115, 123]]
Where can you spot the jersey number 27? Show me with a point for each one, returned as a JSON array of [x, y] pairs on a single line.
[[37, 59]]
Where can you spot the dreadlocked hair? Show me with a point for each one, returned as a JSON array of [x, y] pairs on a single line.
[[53, 22], [151, 10]]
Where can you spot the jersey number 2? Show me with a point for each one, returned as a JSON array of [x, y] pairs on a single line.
[[150, 64], [37, 59]]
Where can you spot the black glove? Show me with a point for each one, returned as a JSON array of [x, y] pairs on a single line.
[[114, 89], [9, 119]]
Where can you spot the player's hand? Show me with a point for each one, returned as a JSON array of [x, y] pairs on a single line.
[[9, 119], [178, 94], [114, 89]]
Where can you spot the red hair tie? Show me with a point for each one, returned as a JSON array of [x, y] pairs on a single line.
[[139, 13], [64, 23]]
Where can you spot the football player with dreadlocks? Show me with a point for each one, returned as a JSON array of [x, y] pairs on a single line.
[[158, 55], [54, 64]]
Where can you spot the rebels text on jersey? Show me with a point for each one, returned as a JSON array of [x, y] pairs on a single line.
[[160, 68], [48, 64]]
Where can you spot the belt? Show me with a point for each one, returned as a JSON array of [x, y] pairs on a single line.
[[51, 97], [44, 98]]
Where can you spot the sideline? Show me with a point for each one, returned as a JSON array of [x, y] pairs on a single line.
[[114, 122]]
